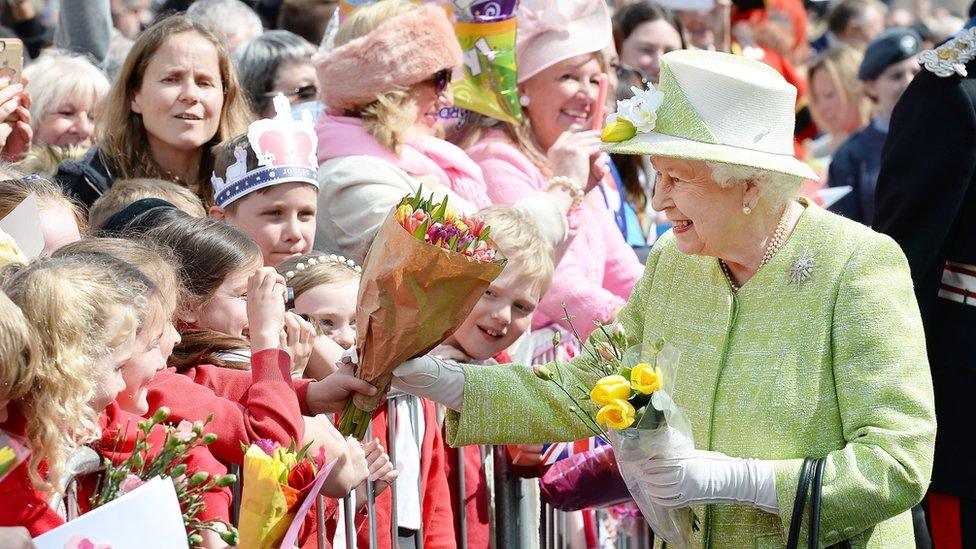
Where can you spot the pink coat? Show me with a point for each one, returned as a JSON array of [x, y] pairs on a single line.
[[598, 272]]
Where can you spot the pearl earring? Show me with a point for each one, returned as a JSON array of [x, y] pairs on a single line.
[[524, 100], [746, 210]]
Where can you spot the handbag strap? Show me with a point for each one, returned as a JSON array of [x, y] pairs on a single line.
[[799, 503], [816, 495]]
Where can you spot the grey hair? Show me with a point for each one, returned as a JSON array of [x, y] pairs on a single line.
[[226, 18], [775, 189], [258, 62], [57, 76]]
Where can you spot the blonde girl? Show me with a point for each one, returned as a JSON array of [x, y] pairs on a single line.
[[84, 316]]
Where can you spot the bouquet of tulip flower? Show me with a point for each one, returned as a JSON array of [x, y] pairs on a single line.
[[279, 486], [426, 269], [636, 414], [144, 464]]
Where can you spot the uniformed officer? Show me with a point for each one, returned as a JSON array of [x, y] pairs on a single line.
[[926, 200], [888, 67]]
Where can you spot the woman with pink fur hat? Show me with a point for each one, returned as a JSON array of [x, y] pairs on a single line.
[[383, 84], [559, 58]]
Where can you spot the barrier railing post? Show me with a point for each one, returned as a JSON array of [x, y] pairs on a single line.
[[417, 416], [462, 512], [349, 520], [320, 519], [391, 420], [506, 504], [371, 501], [235, 495]]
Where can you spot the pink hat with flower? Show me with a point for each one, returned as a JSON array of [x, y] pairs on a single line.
[[400, 52], [550, 31]]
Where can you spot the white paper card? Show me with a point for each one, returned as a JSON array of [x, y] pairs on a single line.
[[148, 517], [23, 224], [695, 5], [830, 195]]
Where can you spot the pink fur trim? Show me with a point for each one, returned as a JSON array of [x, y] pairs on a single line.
[[402, 51]]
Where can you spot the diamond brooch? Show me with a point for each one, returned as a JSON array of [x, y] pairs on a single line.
[[802, 268]]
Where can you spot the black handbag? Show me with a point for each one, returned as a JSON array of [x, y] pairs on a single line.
[[811, 480]]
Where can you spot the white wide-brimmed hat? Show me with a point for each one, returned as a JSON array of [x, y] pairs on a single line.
[[714, 107]]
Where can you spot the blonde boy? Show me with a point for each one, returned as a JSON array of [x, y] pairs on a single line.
[[127, 191], [504, 313]]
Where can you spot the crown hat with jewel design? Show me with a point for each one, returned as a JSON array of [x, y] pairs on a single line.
[[285, 149]]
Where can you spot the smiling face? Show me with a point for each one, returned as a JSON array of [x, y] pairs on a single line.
[[181, 96], [226, 310], [429, 101], [561, 97], [643, 48], [149, 357], [70, 123], [108, 367], [281, 219], [499, 318], [333, 306], [837, 108], [707, 219]]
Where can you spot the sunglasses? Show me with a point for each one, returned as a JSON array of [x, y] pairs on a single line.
[[305, 93], [441, 79]]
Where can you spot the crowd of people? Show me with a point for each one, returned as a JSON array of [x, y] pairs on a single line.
[[209, 177]]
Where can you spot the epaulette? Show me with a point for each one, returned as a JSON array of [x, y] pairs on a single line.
[[951, 58]]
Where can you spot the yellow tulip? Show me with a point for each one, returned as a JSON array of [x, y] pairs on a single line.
[[619, 414], [620, 129], [609, 389], [645, 379], [403, 212]]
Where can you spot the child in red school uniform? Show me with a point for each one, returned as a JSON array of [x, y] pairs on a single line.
[[495, 324], [233, 408], [85, 312], [265, 182], [326, 287]]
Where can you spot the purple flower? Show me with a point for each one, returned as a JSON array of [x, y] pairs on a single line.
[[267, 445]]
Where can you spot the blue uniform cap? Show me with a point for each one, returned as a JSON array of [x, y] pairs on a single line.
[[888, 48]]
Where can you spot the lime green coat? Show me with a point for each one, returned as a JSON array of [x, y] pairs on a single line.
[[834, 366]]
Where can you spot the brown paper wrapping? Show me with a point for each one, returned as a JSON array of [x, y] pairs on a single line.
[[412, 296]]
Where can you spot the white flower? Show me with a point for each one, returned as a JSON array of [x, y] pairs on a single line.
[[641, 109]]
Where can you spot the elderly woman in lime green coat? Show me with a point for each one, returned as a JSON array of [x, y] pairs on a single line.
[[798, 330]]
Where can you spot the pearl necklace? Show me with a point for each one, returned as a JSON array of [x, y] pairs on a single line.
[[775, 244]]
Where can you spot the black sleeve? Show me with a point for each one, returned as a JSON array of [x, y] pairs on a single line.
[[34, 35], [842, 171], [927, 165]]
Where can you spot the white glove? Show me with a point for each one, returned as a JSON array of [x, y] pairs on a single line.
[[702, 478], [429, 377]]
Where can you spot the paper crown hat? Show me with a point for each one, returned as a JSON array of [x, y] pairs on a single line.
[[285, 149], [713, 107]]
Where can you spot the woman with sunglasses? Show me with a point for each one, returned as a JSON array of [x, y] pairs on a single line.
[[276, 62], [383, 85]]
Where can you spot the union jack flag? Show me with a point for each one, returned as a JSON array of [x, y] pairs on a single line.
[[551, 453]]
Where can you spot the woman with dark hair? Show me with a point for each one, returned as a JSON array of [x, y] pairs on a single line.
[[275, 62], [176, 96], [644, 31]]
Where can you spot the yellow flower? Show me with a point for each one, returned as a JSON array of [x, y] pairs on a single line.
[[645, 379], [620, 129], [7, 457], [403, 212], [619, 414], [610, 388]]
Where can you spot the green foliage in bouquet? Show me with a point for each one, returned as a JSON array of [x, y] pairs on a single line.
[[169, 463]]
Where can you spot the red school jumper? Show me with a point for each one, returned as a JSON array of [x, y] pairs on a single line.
[[246, 405], [24, 505]]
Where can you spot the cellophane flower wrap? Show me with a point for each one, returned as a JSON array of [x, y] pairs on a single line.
[[276, 481], [426, 269], [636, 414]]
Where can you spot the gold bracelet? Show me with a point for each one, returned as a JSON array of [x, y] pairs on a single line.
[[571, 186]]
